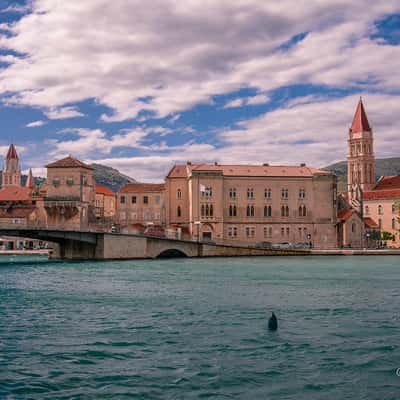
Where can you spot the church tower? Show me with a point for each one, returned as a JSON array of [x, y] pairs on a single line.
[[11, 169], [360, 158]]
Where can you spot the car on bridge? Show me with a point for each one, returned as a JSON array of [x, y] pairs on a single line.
[[155, 230]]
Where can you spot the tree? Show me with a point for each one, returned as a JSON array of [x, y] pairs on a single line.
[[387, 236]]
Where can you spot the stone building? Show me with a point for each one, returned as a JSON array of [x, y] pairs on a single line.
[[70, 194], [105, 203], [253, 203], [140, 205], [377, 202]]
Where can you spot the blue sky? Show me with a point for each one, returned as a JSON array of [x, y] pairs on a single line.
[[141, 86]]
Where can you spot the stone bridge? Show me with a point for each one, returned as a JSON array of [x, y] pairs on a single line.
[[90, 245]]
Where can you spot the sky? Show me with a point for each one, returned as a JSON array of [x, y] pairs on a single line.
[[141, 86]]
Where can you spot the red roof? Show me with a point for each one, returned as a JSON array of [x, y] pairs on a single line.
[[360, 120], [68, 162], [100, 189], [30, 182], [15, 193], [344, 215], [12, 153], [142, 187], [184, 171], [370, 223], [388, 182], [381, 194]]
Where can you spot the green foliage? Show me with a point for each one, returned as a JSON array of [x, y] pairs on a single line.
[[387, 236]]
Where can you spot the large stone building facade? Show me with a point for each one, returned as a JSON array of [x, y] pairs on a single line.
[[253, 203]]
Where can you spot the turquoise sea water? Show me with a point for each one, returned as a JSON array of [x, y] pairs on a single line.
[[196, 328]]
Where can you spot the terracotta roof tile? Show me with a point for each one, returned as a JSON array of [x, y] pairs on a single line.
[[100, 189], [142, 187], [388, 182], [370, 223], [360, 120], [16, 193], [182, 171], [68, 162], [344, 215], [381, 194]]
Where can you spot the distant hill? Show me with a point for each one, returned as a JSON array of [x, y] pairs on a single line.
[[383, 166], [110, 177], [104, 175]]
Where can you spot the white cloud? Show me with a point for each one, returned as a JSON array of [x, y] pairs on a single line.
[[63, 113], [165, 56], [35, 124], [247, 101]]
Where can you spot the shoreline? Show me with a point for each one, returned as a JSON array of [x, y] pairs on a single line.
[[25, 252]]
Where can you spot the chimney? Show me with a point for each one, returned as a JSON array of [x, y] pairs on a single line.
[[189, 163], [302, 164], [265, 165]]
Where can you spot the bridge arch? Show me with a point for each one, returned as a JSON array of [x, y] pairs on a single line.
[[172, 253]]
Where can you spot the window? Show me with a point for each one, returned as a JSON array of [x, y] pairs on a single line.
[[287, 231], [250, 231], [133, 199], [122, 199], [380, 210], [157, 216], [122, 215], [267, 211], [302, 194], [202, 210], [179, 193], [267, 231], [206, 191], [146, 215], [157, 199], [232, 232], [145, 199], [267, 193], [250, 211], [282, 231], [178, 211], [232, 210], [284, 211], [285, 193], [353, 227], [250, 193], [302, 211], [56, 182], [232, 193], [211, 211], [70, 181], [393, 223]]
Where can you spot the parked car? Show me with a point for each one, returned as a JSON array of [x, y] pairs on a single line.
[[282, 246], [264, 245], [155, 230], [303, 245]]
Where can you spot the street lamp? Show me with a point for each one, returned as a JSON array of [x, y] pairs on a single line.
[[309, 240], [367, 235], [198, 223]]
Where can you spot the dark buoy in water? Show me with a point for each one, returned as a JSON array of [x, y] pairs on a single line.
[[273, 323]]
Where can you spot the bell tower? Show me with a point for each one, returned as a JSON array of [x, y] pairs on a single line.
[[360, 157], [11, 169]]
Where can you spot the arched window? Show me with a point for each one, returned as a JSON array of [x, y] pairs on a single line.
[[353, 227], [230, 211], [282, 211], [211, 210], [179, 193], [234, 211], [393, 223], [267, 193], [380, 210], [287, 211], [248, 211], [178, 211], [207, 211], [202, 210], [252, 211], [267, 211]]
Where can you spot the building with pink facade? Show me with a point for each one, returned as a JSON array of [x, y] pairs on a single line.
[[253, 203]]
